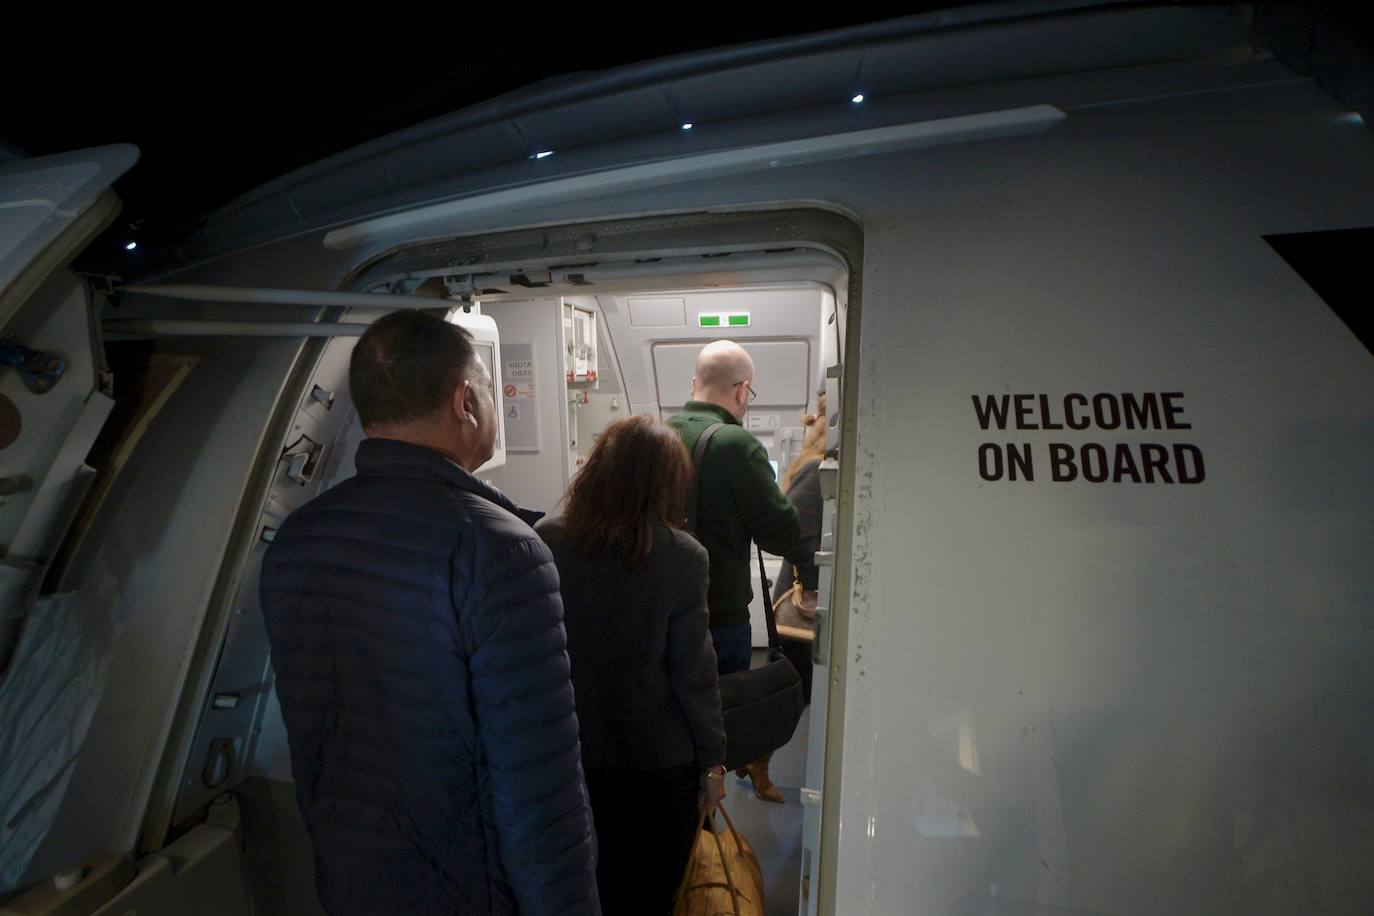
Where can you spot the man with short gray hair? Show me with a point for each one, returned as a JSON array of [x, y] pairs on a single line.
[[417, 638]]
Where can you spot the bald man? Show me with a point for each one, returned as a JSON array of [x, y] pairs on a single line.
[[738, 501], [738, 497]]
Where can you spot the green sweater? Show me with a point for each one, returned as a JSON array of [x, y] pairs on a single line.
[[738, 501]]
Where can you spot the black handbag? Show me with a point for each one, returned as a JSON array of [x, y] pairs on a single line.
[[762, 705]]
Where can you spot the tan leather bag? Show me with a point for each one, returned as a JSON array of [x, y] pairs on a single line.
[[795, 609], [723, 877]]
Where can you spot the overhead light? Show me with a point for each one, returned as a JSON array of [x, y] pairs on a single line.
[[131, 246], [858, 98], [686, 125], [1351, 118], [544, 154]]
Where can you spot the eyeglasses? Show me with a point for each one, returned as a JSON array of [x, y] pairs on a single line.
[[750, 388]]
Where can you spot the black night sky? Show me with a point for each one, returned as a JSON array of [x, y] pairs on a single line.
[[223, 97]]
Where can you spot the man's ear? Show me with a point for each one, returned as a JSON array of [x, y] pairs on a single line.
[[465, 403]]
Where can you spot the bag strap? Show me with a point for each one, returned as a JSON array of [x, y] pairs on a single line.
[[725, 860], [697, 454], [729, 885], [774, 641], [691, 865], [791, 592], [720, 806]]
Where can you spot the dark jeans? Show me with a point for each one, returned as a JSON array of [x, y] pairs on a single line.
[[734, 648], [645, 827]]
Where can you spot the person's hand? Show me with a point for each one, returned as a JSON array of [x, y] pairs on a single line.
[[713, 787]]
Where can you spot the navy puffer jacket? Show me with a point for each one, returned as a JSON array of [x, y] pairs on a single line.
[[418, 643]]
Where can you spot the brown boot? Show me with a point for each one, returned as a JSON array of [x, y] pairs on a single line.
[[763, 785]]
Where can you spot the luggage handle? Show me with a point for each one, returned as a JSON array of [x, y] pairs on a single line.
[[729, 884], [724, 861], [739, 843]]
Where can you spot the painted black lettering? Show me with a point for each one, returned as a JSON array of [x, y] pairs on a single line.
[[1090, 452], [994, 411], [1023, 411], [1124, 465], [1170, 410], [1156, 458], [1019, 461], [1109, 418], [1062, 467], [1142, 413], [1069, 401], [990, 461], [1045, 421], [1198, 473]]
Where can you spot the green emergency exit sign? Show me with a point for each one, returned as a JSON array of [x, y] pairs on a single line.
[[723, 319]]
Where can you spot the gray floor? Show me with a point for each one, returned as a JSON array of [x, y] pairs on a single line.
[[278, 856], [775, 831], [280, 870]]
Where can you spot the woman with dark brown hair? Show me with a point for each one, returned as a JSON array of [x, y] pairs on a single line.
[[643, 668]]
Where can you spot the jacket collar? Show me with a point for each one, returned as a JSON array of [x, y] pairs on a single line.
[[393, 458], [715, 410]]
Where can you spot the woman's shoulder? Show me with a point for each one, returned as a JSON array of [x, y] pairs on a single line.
[[677, 543], [551, 528], [805, 474]]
